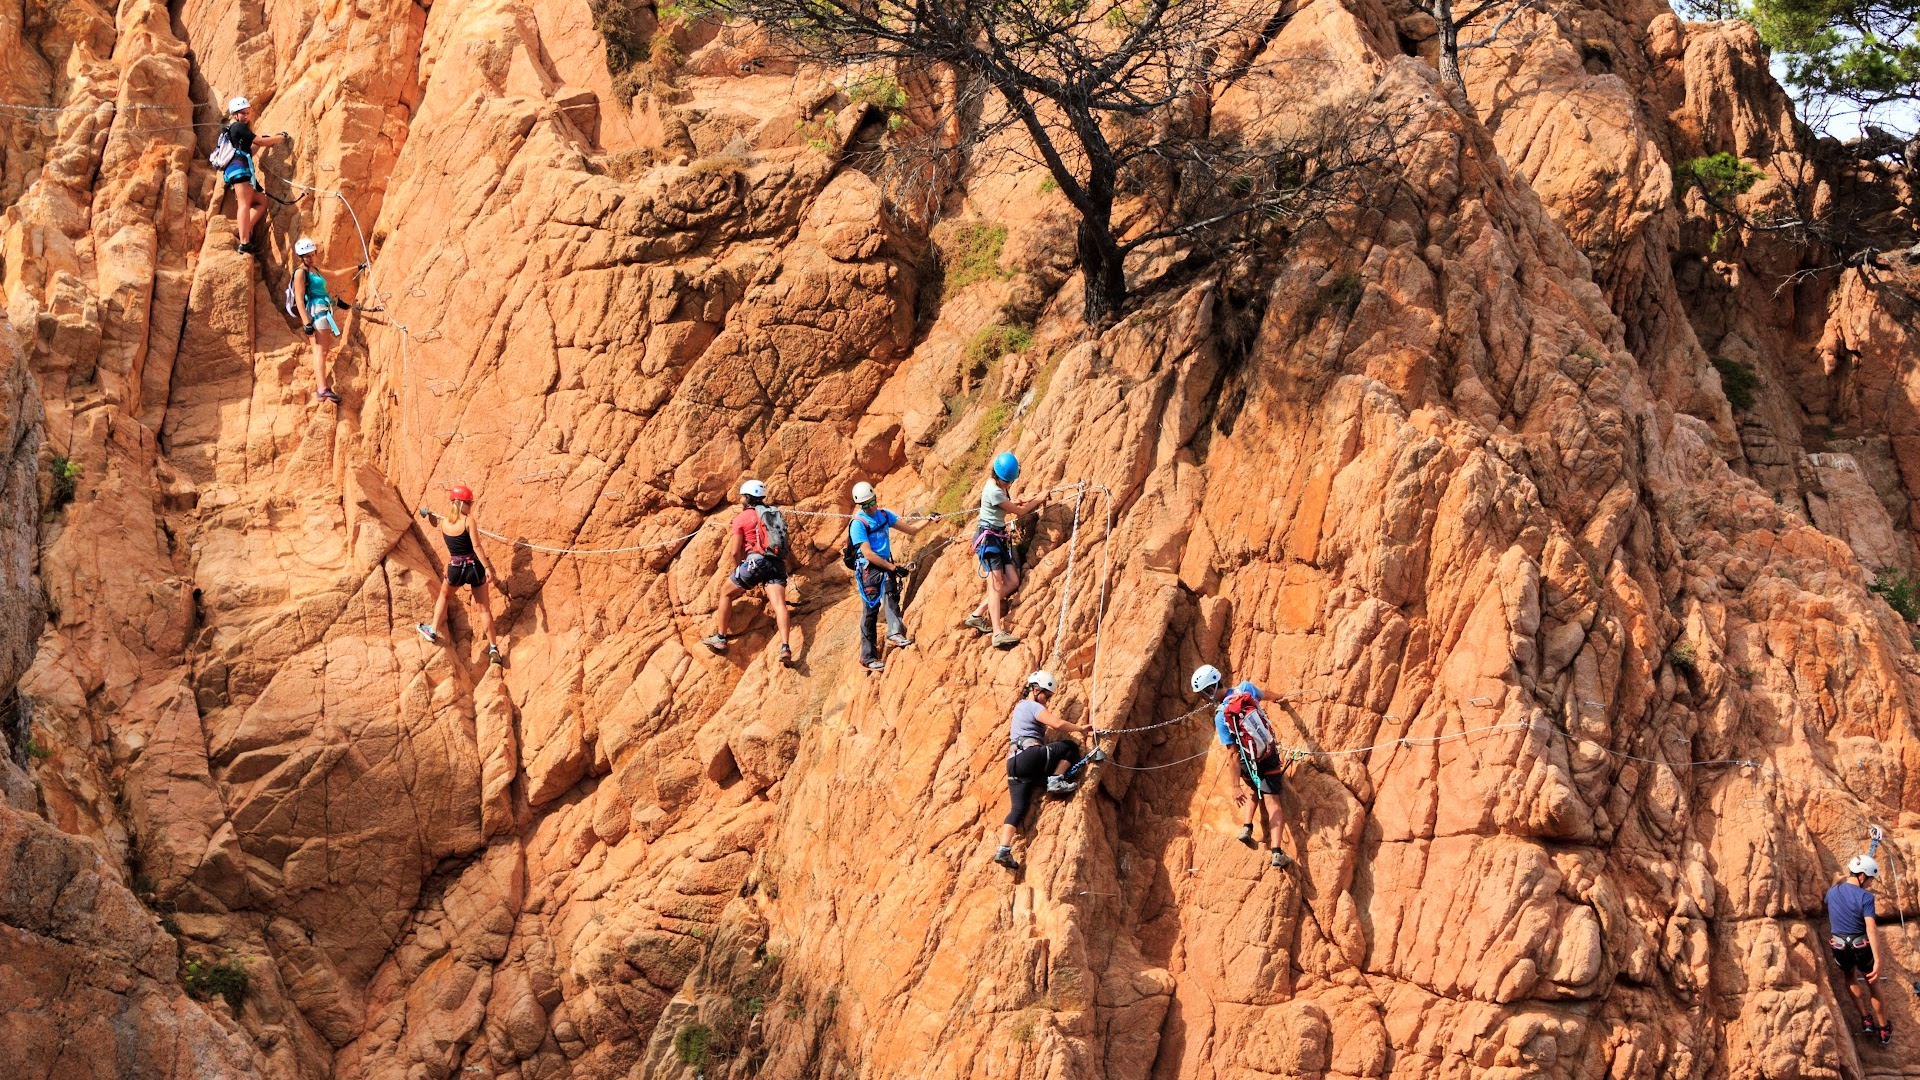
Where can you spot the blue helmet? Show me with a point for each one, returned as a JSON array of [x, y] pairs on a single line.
[[1006, 467]]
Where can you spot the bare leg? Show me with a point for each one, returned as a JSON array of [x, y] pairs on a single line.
[[1879, 1012], [1006, 835], [1000, 584], [440, 607], [485, 600], [729, 592], [322, 347], [777, 600], [245, 213], [1275, 820]]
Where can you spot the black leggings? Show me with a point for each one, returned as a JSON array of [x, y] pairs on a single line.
[[1027, 773]]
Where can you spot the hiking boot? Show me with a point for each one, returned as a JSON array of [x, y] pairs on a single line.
[[900, 641], [876, 665], [494, 656], [1004, 856], [1004, 640], [1886, 1034], [427, 632], [1246, 833], [786, 656], [1061, 785], [978, 623], [716, 642], [1281, 860]]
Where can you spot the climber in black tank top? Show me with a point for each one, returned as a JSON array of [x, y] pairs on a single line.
[[464, 567]]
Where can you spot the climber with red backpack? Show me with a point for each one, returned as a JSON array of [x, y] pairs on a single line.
[[876, 576], [233, 156], [309, 299], [464, 567], [757, 545], [1243, 729]]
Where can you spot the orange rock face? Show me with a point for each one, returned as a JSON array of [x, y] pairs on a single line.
[[1592, 694]]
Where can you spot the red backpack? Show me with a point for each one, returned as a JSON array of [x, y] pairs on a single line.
[[1248, 725]]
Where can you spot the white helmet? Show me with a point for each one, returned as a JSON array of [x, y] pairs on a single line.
[[305, 246], [1041, 680], [862, 493], [754, 488], [1205, 678], [238, 104], [1863, 864]]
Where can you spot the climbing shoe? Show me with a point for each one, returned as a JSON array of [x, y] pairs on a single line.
[[786, 656], [1061, 785], [494, 656], [900, 641], [1886, 1034], [978, 623], [427, 632], [1246, 833], [1281, 860], [1004, 640], [716, 642], [326, 393], [1004, 856], [1867, 1027], [876, 665]]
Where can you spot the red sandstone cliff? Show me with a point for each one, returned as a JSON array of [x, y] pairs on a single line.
[[1464, 465]]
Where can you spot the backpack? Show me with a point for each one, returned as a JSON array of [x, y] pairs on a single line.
[[1248, 725], [850, 556], [223, 151], [292, 302], [776, 527]]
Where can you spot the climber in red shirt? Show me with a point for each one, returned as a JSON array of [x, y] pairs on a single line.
[[757, 545]]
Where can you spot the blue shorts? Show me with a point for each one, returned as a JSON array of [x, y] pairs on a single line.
[[322, 316], [758, 570], [237, 172]]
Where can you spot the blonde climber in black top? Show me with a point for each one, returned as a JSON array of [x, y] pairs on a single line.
[[464, 567]]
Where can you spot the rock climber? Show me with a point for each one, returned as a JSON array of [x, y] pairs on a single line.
[[464, 567], [249, 204], [1244, 731], [995, 550], [757, 545], [315, 301], [1033, 762], [876, 576], [1853, 934]]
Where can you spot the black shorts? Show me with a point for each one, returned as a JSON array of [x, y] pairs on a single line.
[[1267, 770], [756, 570], [465, 572], [1852, 958]]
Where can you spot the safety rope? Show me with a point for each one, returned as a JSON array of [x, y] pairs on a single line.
[[366, 253], [1066, 587], [546, 549]]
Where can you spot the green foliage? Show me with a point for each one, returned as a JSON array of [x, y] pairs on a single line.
[[692, 1043], [991, 343], [1738, 381], [1866, 52], [1683, 658], [1048, 185], [974, 255], [66, 481], [960, 479], [37, 752], [880, 92], [226, 978], [1900, 590], [1719, 176]]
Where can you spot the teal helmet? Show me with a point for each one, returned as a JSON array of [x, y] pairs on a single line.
[[1006, 467]]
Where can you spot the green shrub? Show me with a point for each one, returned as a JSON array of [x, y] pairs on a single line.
[[690, 1044], [993, 342], [960, 480], [1718, 176], [37, 752], [66, 481], [226, 978], [974, 255], [880, 92], [1683, 658], [1900, 590], [1738, 381]]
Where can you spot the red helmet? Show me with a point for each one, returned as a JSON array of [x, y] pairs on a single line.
[[460, 493]]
